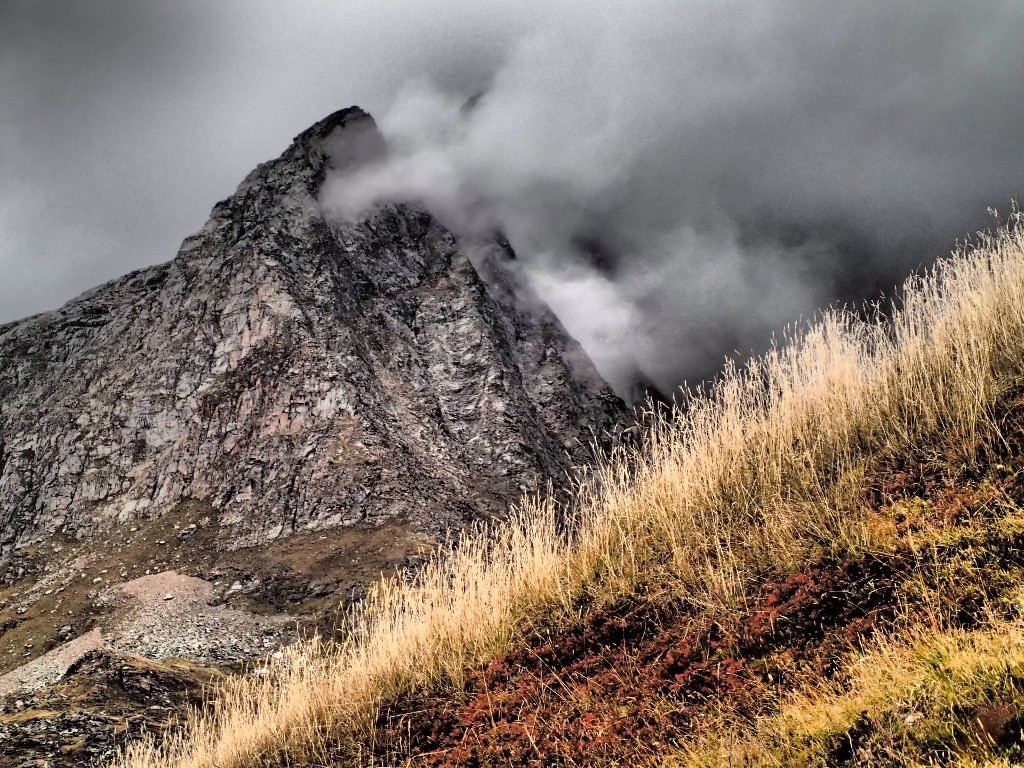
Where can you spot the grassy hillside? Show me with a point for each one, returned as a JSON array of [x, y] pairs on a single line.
[[816, 561]]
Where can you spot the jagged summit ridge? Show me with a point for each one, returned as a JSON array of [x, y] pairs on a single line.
[[291, 373]]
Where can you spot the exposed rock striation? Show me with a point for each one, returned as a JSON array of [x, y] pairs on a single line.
[[292, 373]]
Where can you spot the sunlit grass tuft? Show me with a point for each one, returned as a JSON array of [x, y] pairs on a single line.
[[930, 697]]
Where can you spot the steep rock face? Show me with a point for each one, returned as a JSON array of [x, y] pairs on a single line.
[[291, 374]]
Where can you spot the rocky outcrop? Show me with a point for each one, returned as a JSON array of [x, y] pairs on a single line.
[[291, 373]]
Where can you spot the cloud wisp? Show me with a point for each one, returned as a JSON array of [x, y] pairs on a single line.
[[681, 180]]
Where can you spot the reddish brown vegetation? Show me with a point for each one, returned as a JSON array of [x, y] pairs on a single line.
[[631, 677], [618, 685]]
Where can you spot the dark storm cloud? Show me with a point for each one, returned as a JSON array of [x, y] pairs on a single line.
[[679, 178]]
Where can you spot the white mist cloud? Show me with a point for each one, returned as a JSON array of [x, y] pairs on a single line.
[[680, 179]]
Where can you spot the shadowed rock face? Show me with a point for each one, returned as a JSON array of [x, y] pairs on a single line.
[[293, 374]]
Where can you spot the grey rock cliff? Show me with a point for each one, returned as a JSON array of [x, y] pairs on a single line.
[[293, 374]]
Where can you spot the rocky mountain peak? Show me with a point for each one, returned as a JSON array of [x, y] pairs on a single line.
[[342, 118], [286, 374], [342, 139], [200, 455]]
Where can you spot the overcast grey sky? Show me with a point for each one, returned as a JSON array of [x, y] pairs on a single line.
[[679, 178], [123, 121]]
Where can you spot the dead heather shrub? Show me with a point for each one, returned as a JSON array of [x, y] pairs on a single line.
[[749, 478]]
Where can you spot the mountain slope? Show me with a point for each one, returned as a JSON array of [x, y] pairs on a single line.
[[817, 562], [200, 456], [289, 373]]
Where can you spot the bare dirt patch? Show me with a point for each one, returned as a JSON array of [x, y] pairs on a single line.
[[159, 593], [103, 700], [172, 615], [49, 667], [62, 588]]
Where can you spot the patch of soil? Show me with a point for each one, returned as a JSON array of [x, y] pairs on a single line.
[[51, 666], [103, 700], [170, 614], [162, 589], [317, 572], [61, 588]]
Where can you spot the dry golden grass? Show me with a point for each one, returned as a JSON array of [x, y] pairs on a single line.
[[752, 477], [911, 700]]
